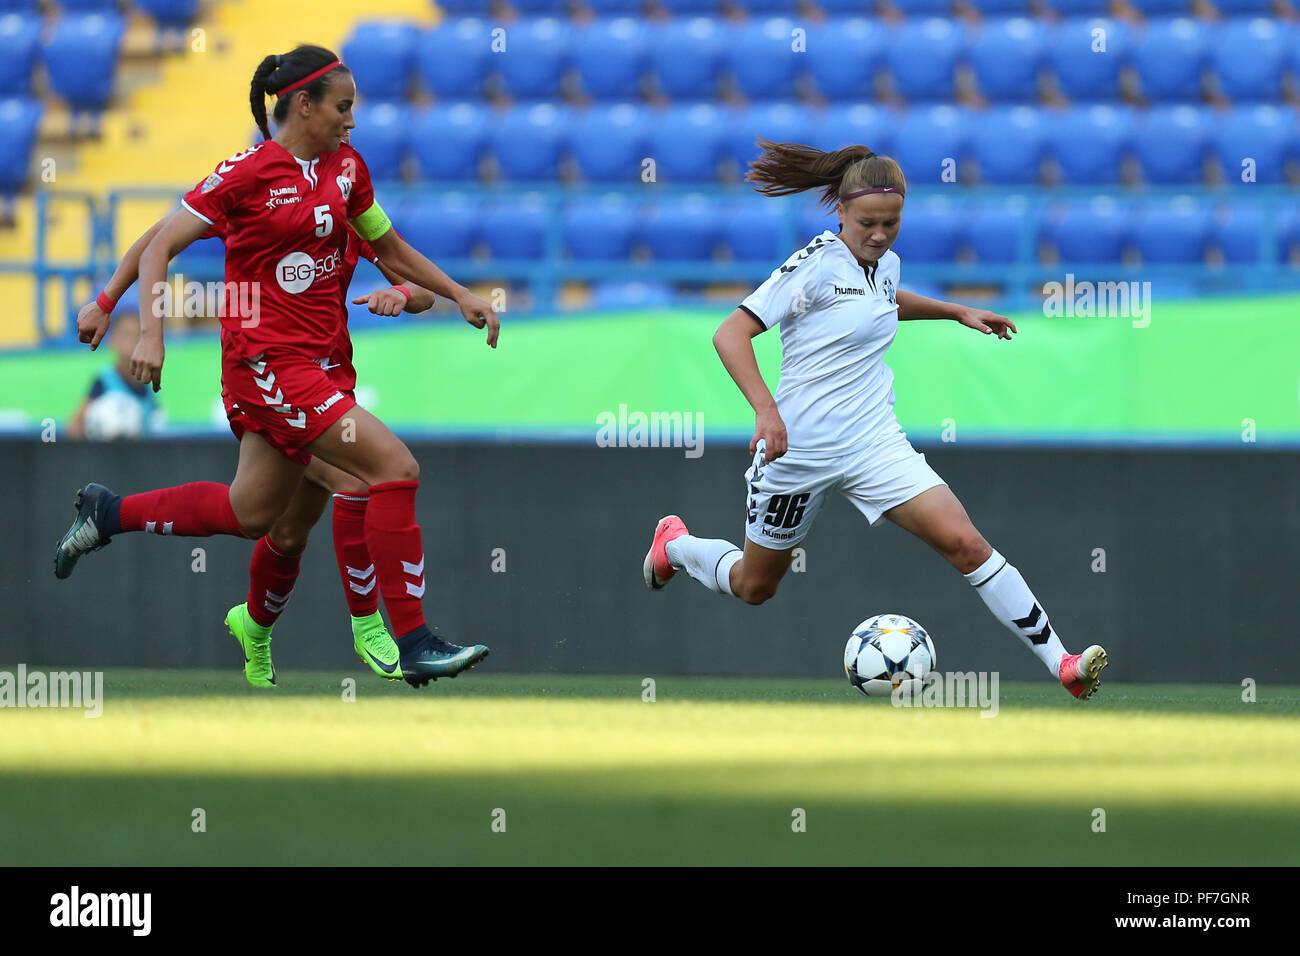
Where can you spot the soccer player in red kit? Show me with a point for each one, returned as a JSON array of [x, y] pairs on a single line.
[[274, 567], [287, 202]]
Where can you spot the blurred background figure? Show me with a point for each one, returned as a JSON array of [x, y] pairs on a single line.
[[117, 407]]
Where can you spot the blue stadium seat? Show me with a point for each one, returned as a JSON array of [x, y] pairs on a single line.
[[686, 142], [1080, 8], [846, 125], [1236, 231], [1164, 8], [453, 59], [1006, 56], [1174, 231], [922, 57], [170, 13], [843, 56], [610, 56], [686, 56], [381, 55], [529, 140], [754, 231], [631, 294], [448, 140], [442, 226], [1289, 236], [614, 8], [681, 228], [20, 41], [780, 122], [1081, 72], [761, 60], [383, 137], [1236, 8], [1264, 133], [20, 118], [89, 6], [20, 6], [515, 228], [1171, 143], [550, 8], [609, 142], [1248, 55], [80, 57], [1091, 231], [931, 231], [691, 7], [994, 8], [857, 8], [767, 7], [992, 230], [1009, 144], [535, 58], [1089, 143], [599, 228], [923, 8], [1170, 56], [928, 141]]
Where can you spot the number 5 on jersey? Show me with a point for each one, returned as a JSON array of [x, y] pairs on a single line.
[[324, 221]]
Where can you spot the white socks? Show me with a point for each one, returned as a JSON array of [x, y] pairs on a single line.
[[707, 560], [1012, 603]]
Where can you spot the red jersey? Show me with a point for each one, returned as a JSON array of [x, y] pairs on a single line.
[[357, 249], [286, 225]]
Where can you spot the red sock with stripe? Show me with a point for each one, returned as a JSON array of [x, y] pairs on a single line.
[[271, 577], [393, 538], [356, 568], [197, 510]]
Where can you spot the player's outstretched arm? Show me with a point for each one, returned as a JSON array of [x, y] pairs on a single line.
[[392, 301], [913, 306], [410, 264], [92, 321], [733, 340], [176, 234]]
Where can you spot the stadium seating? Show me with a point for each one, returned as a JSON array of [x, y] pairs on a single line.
[[992, 230], [599, 228], [448, 140], [1008, 145], [843, 125], [1236, 233], [755, 232], [843, 56], [686, 143], [681, 228], [382, 135], [381, 55], [1092, 231], [686, 56], [1084, 69], [1007, 56], [1088, 143], [1265, 135], [445, 226], [1175, 231], [610, 57], [1170, 56], [1171, 142], [172, 13], [922, 55], [20, 42], [761, 60], [929, 142], [779, 122], [515, 228], [1248, 57], [80, 57], [20, 118], [931, 232], [534, 58], [609, 142], [452, 59]]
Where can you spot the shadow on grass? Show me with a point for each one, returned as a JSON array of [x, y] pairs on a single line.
[[586, 818]]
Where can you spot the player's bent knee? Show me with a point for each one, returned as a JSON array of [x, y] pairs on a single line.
[[288, 538], [345, 484], [757, 592]]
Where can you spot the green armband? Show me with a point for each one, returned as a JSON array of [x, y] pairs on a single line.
[[372, 223]]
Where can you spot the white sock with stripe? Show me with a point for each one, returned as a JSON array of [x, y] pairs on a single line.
[[707, 560], [1009, 598]]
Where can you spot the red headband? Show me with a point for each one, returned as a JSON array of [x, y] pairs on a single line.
[[874, 189], [309, 77]]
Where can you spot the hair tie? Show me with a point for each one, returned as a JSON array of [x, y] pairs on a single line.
[[308, 78], [874, 189]]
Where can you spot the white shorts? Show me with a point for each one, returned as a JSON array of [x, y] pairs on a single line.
[[785, 495]]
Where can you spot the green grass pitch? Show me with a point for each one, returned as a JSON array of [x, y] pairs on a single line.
[[587, 772]]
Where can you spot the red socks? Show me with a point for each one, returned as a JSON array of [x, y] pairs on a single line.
[[271, 577], [356, 569], [393, 538], [197, 510]]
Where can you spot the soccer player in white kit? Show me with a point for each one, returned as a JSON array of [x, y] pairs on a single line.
[[831, 426]]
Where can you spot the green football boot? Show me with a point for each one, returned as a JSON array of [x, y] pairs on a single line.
[[255, 641], [376, 646]]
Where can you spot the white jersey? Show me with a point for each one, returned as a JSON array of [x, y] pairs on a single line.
[[837, 320]]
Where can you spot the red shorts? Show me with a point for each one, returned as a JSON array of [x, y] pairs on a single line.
[[287, 398]]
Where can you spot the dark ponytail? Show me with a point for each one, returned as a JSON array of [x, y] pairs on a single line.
[[279, 72], [787, 168]]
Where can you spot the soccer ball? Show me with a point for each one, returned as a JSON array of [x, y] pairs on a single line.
[[886, 650], [114, 416]]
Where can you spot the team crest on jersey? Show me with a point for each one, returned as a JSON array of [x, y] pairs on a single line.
[[345, 187], [888, 288], [209, 184]]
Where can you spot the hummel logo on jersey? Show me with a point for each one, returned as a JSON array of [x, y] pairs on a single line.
[[283, 196], [323, 407], [849, 290]]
